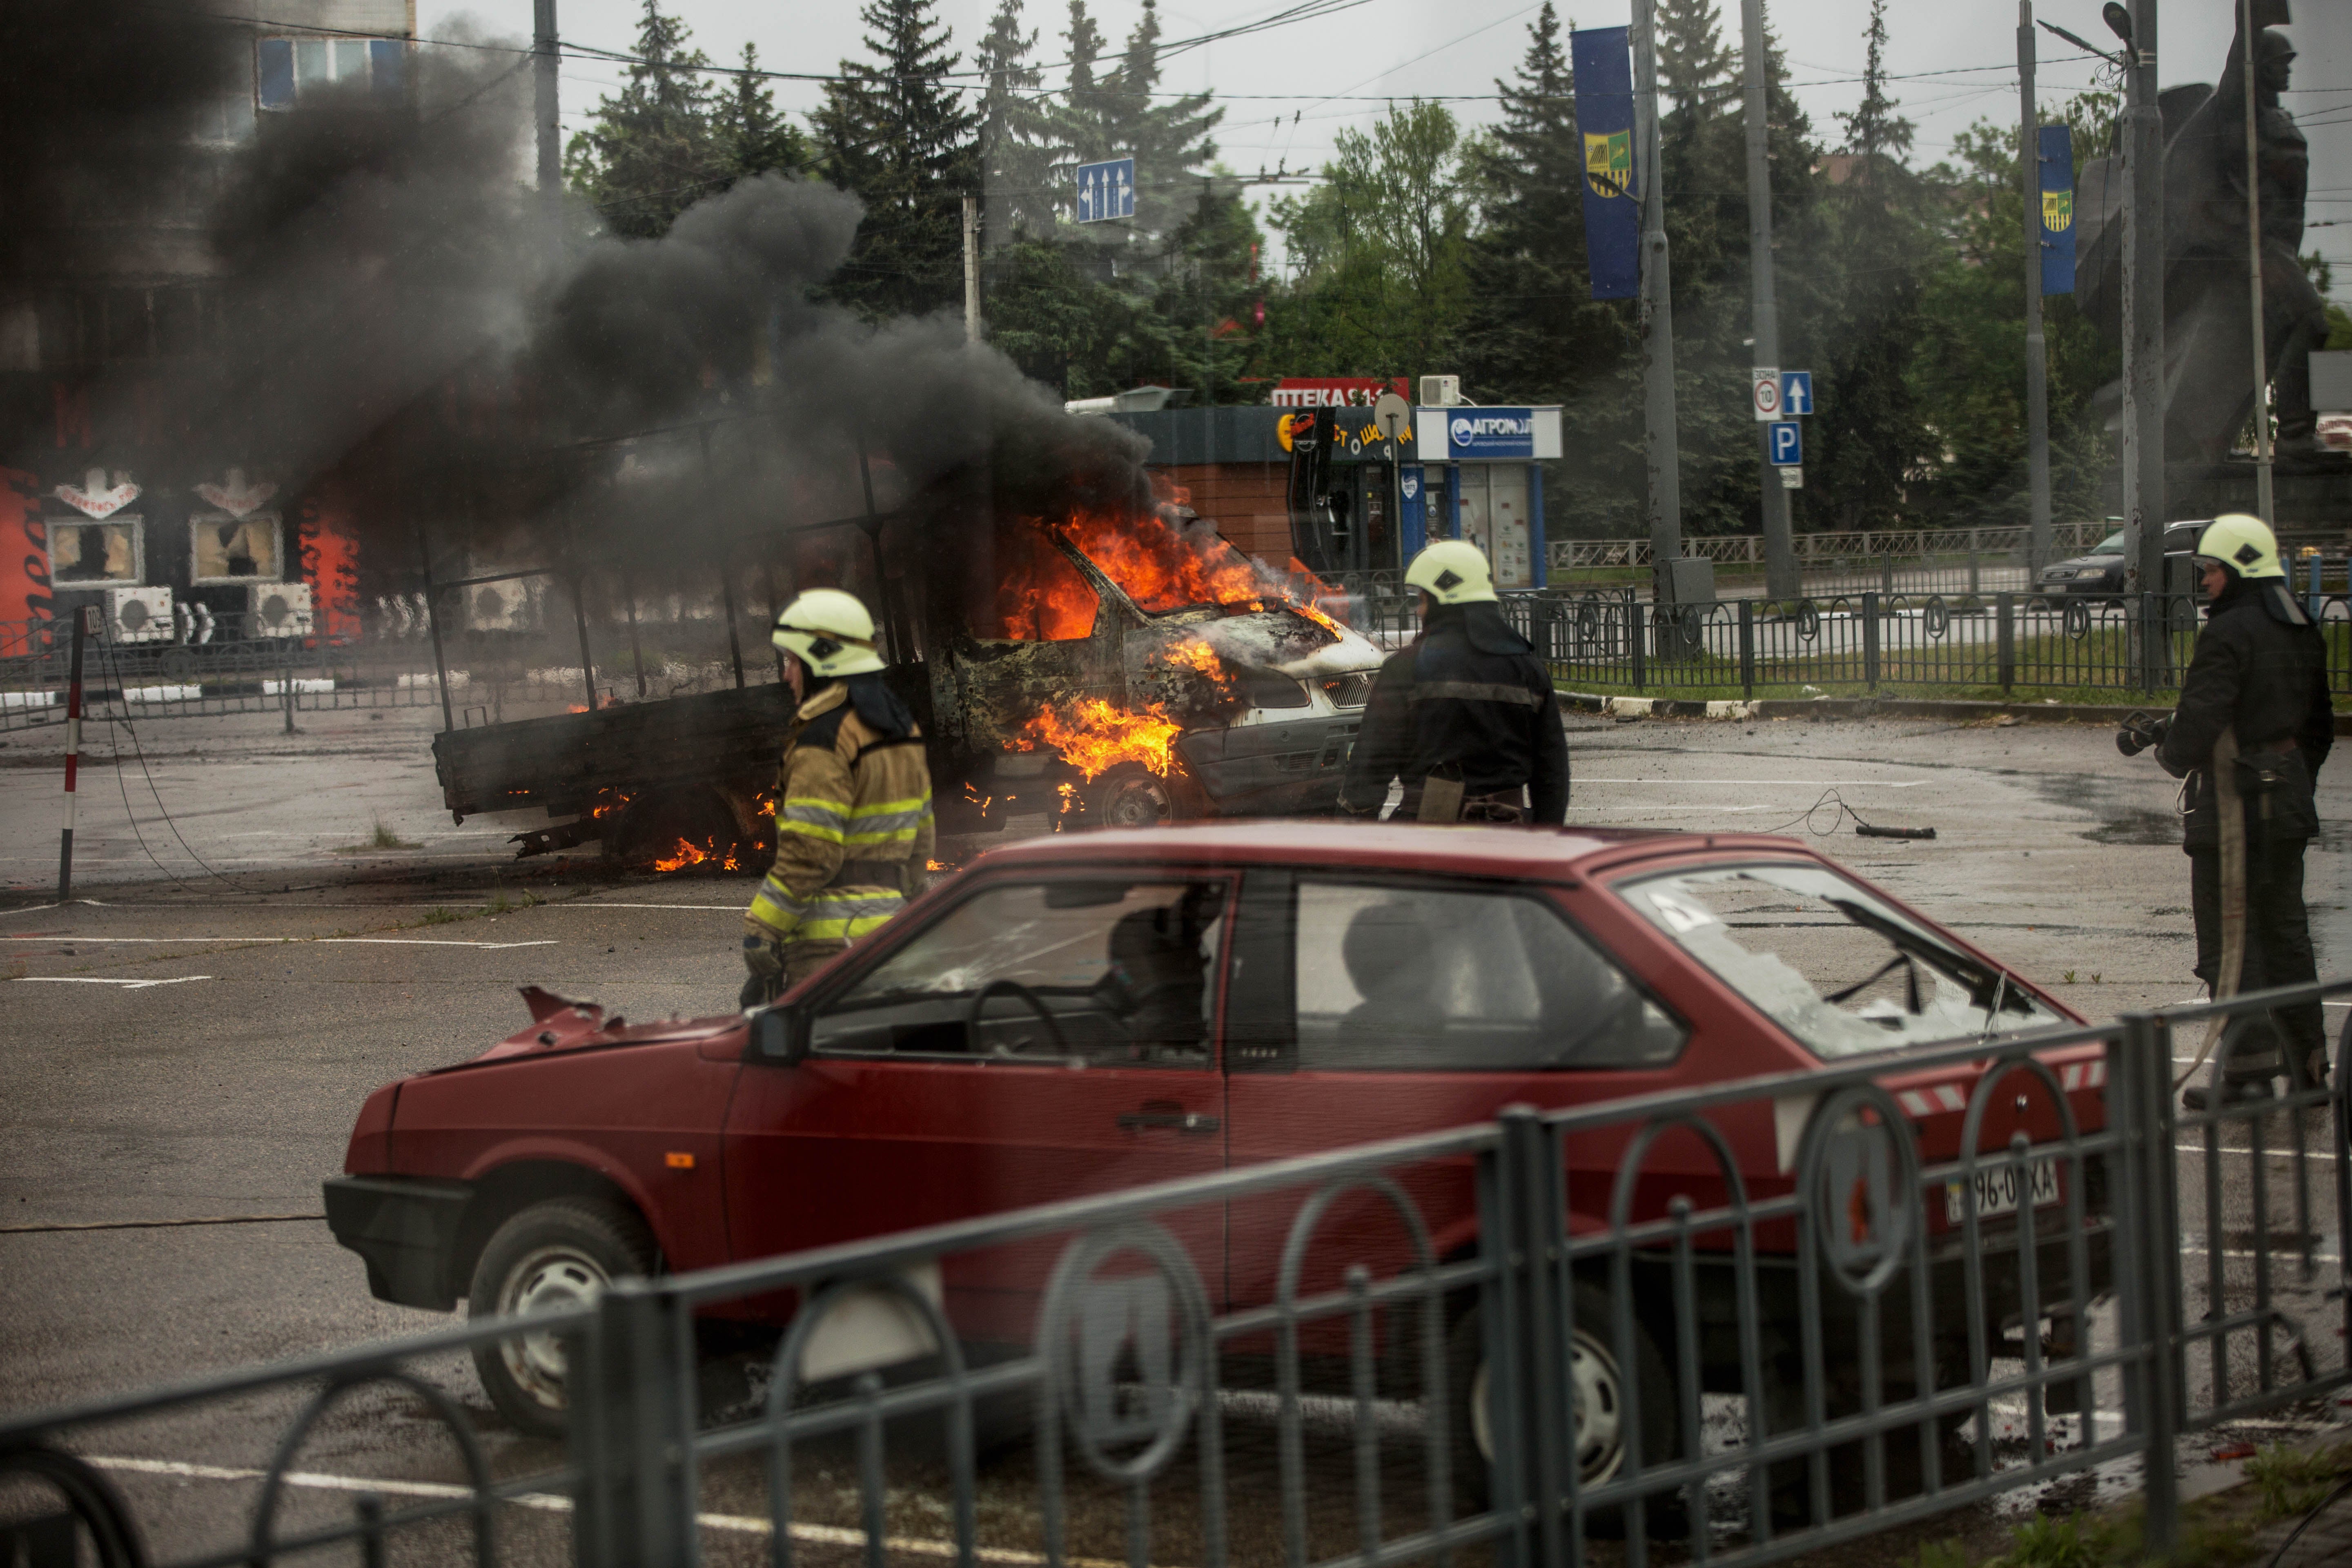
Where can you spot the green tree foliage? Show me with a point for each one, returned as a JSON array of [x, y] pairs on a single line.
[[1874, 244], [1381, 249], [1695, 70], [652, 150], [895, 131], [1018, 152], [757, 139], [1120, 113]]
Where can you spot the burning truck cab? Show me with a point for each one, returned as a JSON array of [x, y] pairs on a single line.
[[1119, 666]]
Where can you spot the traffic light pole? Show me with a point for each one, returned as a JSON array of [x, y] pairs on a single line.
[[1781, 581], [1658, 436], [2037, 352]]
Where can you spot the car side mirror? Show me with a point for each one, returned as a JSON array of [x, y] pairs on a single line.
[[780, 1035]]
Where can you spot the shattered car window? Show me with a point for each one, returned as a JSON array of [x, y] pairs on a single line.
[[1835, 966]]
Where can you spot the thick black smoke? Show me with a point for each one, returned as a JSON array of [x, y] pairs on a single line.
[[407, 319]]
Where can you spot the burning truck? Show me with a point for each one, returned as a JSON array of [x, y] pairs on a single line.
[[1104, 661]]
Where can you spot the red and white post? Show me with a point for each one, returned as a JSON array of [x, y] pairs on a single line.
[[81, 628]]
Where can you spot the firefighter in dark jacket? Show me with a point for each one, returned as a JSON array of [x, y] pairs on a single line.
[[1465, 715], [854, 826], [2259, 677]]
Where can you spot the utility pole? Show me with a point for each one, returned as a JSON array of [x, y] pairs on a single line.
[[2142, 312], [544, 105], [971, 269], [2037, 350], [1658, 436], [2265, 498], [1781, 581]]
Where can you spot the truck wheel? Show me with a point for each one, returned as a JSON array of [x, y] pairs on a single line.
[[557, 1253], [1598, 1409]]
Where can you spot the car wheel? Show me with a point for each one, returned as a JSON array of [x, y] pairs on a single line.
[[559, 1253], [1599, 1411], [1132, 796]]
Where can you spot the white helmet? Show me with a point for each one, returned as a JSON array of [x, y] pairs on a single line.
[[2242, 543], [829, 631], [1452, 572]]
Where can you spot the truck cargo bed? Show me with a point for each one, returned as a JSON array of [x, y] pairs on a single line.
[[563, 762]]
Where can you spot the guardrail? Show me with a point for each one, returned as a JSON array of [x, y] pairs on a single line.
[[1876, 1333]]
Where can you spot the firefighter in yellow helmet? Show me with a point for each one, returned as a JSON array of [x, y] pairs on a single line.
[[1466, 716], [853, 831], [2253, 705]]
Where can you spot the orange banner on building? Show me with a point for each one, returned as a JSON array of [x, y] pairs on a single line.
[[331, 565], [25, 591]]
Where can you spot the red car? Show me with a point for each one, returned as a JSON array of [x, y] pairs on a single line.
[[1091, 1012]]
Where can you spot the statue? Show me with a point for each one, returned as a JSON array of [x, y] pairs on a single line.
[[2208, 357]]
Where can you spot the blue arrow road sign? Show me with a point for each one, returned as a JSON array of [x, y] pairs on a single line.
[[1796, 391], [1107, 190], [1788, 443]]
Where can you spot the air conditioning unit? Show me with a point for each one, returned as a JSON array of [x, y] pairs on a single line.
[[278, 610], [139, 615], [497, 606], [1440, 391]]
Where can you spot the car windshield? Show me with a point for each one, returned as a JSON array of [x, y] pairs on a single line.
[[1836, 966], [2113, 545]]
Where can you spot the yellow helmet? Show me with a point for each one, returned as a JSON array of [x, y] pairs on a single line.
[[829, 631], [2243, 544], [1452, 572]]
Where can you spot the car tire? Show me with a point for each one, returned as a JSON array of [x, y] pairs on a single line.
[[1599, 1391], [553, 1254], [1131, 796]]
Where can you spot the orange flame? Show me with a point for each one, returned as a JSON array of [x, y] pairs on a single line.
[[685, 854], [1093, 737], [1164, 569]]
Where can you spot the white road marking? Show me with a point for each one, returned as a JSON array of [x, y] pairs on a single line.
[[548, 1502], [292, 940], [89, 979], [595, 904]]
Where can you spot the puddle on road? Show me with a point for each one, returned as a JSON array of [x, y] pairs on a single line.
[[2138, 827]]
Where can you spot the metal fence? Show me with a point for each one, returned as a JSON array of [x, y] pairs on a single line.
[[1997, 644], [1649, 1332], [390, 664]]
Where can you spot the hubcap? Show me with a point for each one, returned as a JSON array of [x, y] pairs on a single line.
[[1137, 803], [1599, 1410], [547, 1280]]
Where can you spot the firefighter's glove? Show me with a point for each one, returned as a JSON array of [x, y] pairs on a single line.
[[765, 960]]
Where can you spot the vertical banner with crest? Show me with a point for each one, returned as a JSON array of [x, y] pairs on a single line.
[[1604, 122], [2056, 151]]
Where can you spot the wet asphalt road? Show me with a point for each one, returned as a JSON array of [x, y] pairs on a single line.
[[194, 1049]]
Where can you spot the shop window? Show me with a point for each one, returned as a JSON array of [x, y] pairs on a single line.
[[94, 552], [288, 70], [228, 549]]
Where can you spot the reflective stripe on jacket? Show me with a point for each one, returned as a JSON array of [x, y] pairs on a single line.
[[849, 802]]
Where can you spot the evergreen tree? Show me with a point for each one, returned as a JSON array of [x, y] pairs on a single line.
[[1695, 69], [894, 131], [1877, 243], [1113, 115], [1532, 332], [652, 151], [1016, 139], [757, 138], [1083, 122]]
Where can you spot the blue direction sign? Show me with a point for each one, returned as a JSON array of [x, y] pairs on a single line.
[[1786, 440], [1107, 190], [1796, 391]]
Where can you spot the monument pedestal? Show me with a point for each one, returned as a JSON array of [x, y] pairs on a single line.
[[2314, 493]]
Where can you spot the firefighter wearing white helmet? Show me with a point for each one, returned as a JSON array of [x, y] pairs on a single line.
[[1465, 717], [854, 829], [2254, 707]]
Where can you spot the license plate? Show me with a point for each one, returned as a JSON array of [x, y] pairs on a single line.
[[1997, 1190]]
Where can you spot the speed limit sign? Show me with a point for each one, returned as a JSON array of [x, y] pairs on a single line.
[[1764, 392]]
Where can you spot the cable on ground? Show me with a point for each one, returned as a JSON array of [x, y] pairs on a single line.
[[1836, 804]]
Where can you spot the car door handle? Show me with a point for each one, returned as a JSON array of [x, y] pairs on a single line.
[[1168, 1113]]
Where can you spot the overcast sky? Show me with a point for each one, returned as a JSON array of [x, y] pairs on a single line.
[[1289, 90]]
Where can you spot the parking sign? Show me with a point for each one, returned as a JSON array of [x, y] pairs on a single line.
[[1107, 190], [1788, 443]]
